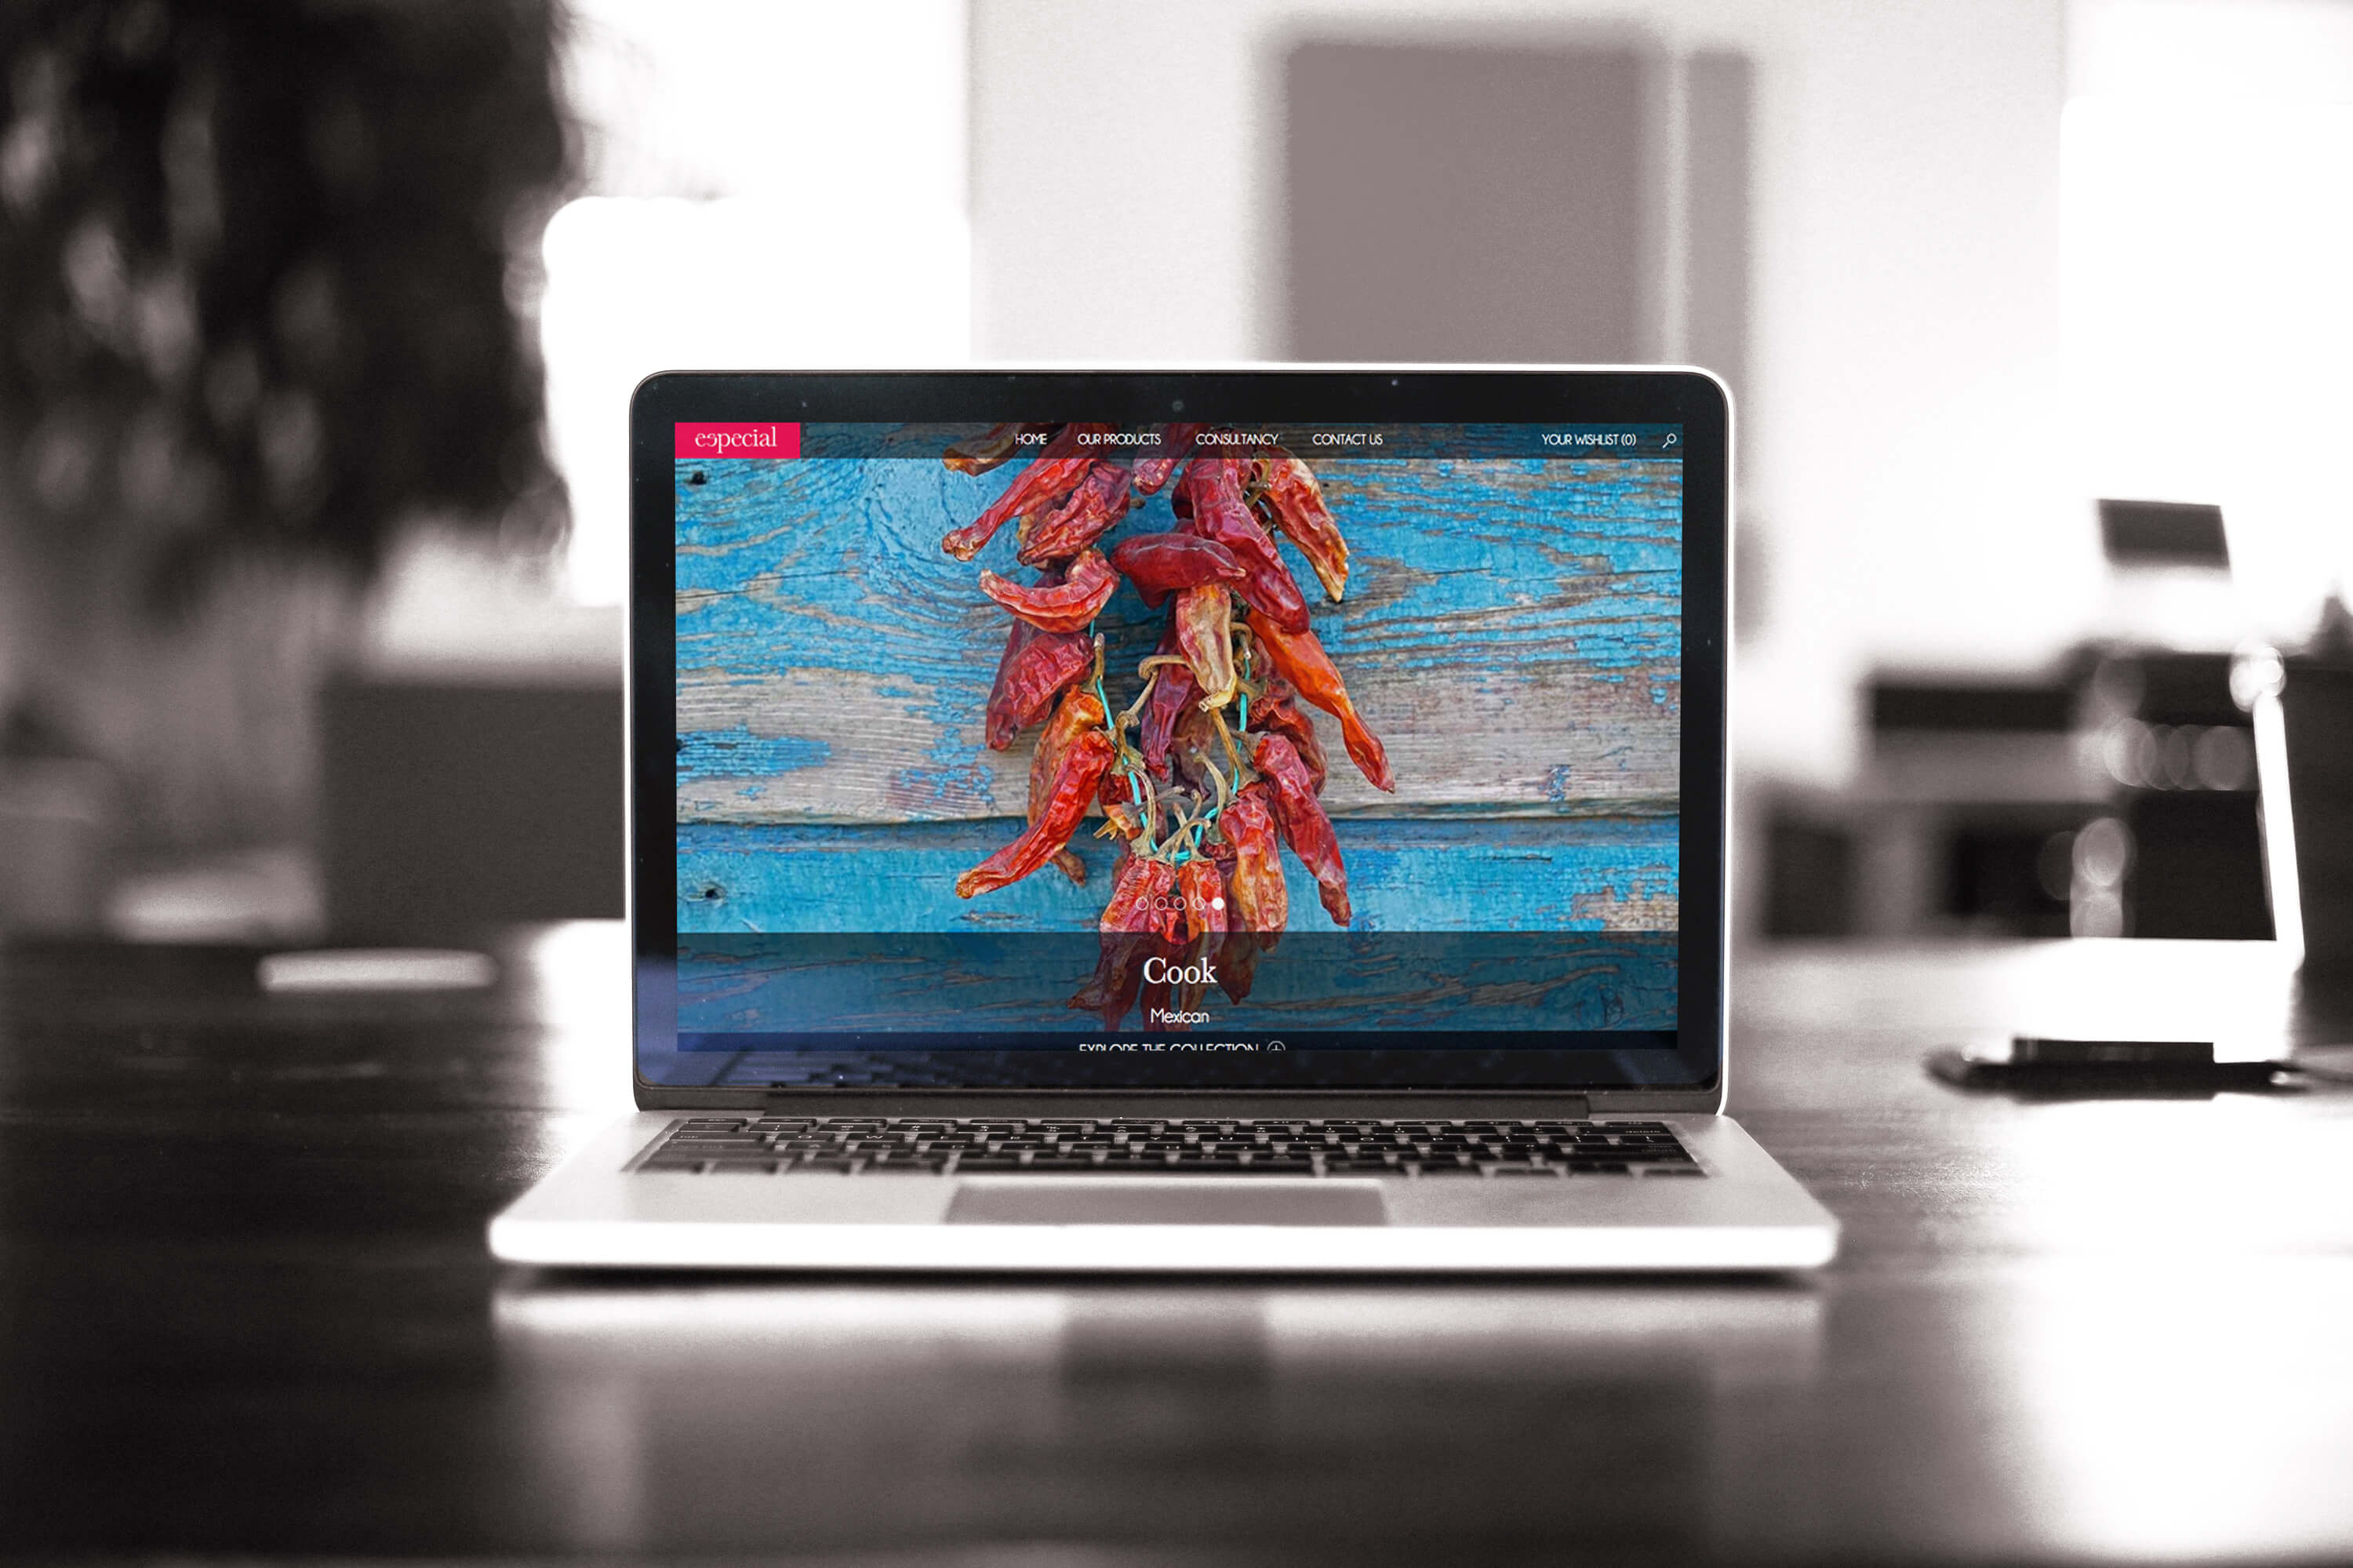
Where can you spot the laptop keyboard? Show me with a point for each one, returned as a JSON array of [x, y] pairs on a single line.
[[874, 1146]]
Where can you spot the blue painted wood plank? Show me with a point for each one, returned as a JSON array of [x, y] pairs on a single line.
[[1512, 630], [1560, 874]]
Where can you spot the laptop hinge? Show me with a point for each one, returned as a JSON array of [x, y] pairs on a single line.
[[1407, 1104]]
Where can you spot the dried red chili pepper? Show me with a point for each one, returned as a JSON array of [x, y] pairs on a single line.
[[1299, 658], [1057, 471], [1079, 714], [1218, 850], [986, 451], [1160, 564], [1118, 977], [1099, 501], [1196, 960], [1175, 442], [1174, 693], [1000, 722], [1275, 711], [1229, 903], [1036, 666], [1194, 750], [1122, 802], [1140, 900], [1289, 498], [1203, 891], [1065, 606], [1204, 618], [1238, 962], [1214, 509], [1260, 900], [1238, 950], [1305, 826], [1073, 790], [1134, 925]]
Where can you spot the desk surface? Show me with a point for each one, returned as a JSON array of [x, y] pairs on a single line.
[[248, 1309]]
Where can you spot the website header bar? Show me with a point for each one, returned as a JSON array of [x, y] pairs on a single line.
[[1322, 443]]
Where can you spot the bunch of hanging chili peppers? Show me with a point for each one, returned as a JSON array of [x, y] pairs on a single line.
[[1213, 765]]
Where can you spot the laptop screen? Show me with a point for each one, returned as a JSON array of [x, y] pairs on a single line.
[[1196, 751]]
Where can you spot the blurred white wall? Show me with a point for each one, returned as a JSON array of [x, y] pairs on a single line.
[[2208, 154], [1921, 439], [1904, 334], [772, 184]]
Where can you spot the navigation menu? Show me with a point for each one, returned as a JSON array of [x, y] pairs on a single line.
[[1318, 442]]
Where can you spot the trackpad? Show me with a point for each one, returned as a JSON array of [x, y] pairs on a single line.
[[1127, 1200]]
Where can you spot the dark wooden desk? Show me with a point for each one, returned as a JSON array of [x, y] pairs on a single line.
[[246, 1308]]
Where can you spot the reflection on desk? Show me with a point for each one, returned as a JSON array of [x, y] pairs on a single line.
[[248, 1310], [1347, 1417]]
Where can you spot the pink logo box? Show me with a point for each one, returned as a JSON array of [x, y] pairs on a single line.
[[738, 441]]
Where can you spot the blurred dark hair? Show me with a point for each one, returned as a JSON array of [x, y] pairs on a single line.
[[258, 274]]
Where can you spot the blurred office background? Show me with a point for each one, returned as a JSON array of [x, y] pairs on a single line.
[[2033, 309]]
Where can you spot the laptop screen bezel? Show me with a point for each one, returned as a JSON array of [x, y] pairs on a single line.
[[1356, 394]]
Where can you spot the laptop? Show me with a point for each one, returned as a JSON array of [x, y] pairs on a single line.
[[1256, 819]]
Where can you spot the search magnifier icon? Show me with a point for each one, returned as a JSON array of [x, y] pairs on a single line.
[[1671, 440]]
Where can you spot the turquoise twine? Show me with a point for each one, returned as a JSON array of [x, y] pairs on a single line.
[[1134, 779], [1135, 794], [1100, 695]]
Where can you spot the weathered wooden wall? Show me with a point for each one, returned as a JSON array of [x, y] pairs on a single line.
[[1510, 632], [1403, 874]]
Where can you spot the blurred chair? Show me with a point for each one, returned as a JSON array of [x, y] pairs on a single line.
[[2182, 755], [58, 820], [1963, 820], [2172, 735], [1810, 877], [60, 817], [450, 804], [2117, 797]]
